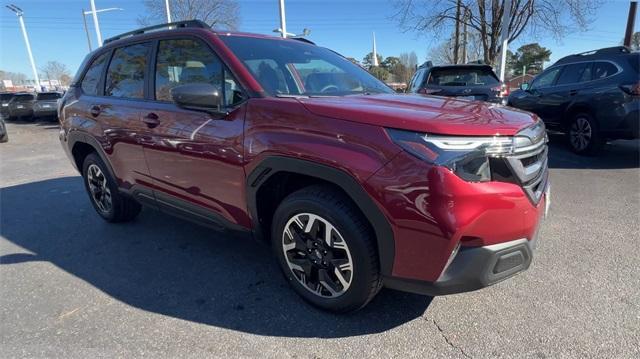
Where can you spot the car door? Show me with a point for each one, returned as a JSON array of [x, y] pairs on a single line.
[[534, 99], [195, 158], [110, 114], [558, 98]]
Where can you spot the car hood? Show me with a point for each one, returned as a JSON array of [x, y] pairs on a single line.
[[432, 114]]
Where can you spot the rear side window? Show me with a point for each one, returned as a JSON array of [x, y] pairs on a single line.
[[463, 76], [573, 73], [181, 62], [92, 76], [125, 76], [603, 69]]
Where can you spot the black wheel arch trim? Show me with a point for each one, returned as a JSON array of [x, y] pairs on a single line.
[[272, 165], [74, 137]]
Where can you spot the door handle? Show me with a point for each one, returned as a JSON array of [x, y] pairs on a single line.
[[95, 111], [573, 92], [151, 119]]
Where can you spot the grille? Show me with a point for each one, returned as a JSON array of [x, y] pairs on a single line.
[[528, 165]]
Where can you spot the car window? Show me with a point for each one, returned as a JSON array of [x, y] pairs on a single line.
[[586, 74], [185, 61], [23, 98], [92, 76], [546, 79], [48, 96], [417, 80], [289, 67], [125, 75], [6, 96], [572, 73], [603, 69], [463, 76]]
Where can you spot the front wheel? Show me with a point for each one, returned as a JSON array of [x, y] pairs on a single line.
[[583, 135], [326, 249]]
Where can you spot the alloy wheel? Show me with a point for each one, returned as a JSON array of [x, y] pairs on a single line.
[[580, 133], [317, 255], [98, 188]]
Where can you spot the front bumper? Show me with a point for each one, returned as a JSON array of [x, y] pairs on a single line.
[[473, 268]]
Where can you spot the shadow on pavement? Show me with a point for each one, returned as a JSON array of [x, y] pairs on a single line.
[[171, 267], [616, 154]]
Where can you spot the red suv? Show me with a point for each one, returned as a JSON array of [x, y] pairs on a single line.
[[356, 187]]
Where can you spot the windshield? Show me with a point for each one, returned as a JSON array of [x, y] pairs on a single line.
[[297, 68], [48, 96], [6, 96], [22, 98], [463, 76]]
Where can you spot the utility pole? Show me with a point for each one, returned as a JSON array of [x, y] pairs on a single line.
[[95, 22], [283, 20], [506, 19], [456, 42], [19, 13], [465, 36], [166, 4], [86, 30], [631, 20]]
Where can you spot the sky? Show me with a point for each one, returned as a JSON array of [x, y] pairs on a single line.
[[56, 30]]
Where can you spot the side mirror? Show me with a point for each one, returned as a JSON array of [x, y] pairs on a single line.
[[198, 97], [524, 86]]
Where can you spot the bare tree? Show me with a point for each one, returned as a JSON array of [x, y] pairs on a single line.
[[443, 53], [556, 17], [216, 13], [409, 63], [53, 70], [17, 78]]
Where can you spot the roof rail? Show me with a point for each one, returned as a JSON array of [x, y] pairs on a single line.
[[606, 50], [171, 25]]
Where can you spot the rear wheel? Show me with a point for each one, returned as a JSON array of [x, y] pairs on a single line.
[[103, 192], [583, 135], [326, 249]]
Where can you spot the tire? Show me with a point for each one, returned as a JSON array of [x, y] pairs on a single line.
[[583, 135], [358, 264], [107, 200]]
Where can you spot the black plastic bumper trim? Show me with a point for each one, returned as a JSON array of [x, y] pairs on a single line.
[[473, 268]]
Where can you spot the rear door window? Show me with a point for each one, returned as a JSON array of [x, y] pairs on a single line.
[[572, 73], [463, 76], [125, 76], [92, 76]]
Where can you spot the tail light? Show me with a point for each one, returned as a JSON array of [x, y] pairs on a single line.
[[633, 89], [502, 90]]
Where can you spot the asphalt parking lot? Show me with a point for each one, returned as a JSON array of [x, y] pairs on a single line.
[[74, 286]]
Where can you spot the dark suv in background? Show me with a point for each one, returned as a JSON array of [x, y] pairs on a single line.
[[467, 82], [21, 106], [355, 186], [592, 97], [46, 104]]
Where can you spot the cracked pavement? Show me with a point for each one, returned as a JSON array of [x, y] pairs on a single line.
[[73, 286]]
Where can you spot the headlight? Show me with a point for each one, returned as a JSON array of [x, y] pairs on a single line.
[[469, 157]]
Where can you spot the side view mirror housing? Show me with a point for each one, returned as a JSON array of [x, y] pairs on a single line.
[[199, 97], [524, 86]]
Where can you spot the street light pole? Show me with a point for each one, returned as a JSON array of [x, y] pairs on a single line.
[[631, 20], [283, 20], [95, 22], [19, 13], [506, 19], [86, 30], [166, 4]]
